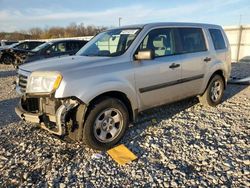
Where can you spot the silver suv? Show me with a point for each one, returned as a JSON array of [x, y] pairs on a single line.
[[92, 96]]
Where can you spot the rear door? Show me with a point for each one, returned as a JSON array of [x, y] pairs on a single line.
[[157, 79], [194, 57]]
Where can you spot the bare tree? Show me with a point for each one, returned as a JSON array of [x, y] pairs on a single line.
[[72, 30]]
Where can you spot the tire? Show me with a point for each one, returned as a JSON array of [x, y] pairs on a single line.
[[7, 59], [107, 116], [214, 92]]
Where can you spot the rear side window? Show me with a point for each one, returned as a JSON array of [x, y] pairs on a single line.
[[217, 39], [72, 46], [191, 39], [32, 45]]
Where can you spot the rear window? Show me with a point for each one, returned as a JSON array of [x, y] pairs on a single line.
[[72, 46], [192, 40], [217, 39]]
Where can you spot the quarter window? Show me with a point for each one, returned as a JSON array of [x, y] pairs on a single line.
[[160, 41], [192, 40], [217, 39]]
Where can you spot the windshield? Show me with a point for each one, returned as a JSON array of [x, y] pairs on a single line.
[[110, 43], [44, 45]]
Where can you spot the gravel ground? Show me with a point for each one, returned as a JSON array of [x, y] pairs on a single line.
[[181, 144]]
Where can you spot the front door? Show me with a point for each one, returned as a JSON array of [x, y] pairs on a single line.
[[157, 79]]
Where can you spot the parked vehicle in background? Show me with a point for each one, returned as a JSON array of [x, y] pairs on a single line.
[[51, 49], [9, 54], [93, 95], [8, 46], [7, 43]]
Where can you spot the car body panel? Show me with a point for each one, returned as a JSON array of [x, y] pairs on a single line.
[[151, 78]]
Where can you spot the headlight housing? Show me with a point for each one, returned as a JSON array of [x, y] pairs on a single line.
[[43, 82]]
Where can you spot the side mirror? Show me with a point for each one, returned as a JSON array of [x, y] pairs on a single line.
[[144, 55]]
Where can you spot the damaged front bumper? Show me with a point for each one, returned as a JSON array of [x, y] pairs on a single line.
[[54, 115], [26, 116]]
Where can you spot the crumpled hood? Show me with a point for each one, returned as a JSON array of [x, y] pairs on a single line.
[[65, 64]]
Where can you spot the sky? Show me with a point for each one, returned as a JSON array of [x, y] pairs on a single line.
[[16, 15]]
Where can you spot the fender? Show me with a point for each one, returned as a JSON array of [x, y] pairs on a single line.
[[89, 95], [91, 90]]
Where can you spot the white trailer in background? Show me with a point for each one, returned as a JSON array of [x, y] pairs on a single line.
[[239, 39]]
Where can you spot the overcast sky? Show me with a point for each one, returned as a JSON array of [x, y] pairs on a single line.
[[25, 14]]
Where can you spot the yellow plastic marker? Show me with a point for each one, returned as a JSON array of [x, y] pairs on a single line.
[[121, 154]]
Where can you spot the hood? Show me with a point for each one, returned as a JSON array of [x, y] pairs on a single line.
[[66, 64], [5, 47]]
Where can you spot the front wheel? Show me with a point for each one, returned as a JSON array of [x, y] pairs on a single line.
[[7, 59], [214, 92], [105, 124]]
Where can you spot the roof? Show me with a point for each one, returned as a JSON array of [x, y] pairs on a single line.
[[160, 24], [64, 40]]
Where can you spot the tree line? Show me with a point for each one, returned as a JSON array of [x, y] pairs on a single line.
[[72, 30]]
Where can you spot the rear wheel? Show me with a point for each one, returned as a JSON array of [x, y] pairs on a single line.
[[214, 92], [105, 124]]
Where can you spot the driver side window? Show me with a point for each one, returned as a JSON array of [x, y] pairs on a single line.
[[23, 46], [58, 47], [160, 41]]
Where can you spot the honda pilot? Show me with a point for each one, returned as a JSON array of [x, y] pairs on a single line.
[[94, 95]]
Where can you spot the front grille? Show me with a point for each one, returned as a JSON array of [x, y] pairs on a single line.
[[22, 83]]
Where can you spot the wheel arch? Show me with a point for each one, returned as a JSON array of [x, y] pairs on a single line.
[[118, 95], [216, 72]]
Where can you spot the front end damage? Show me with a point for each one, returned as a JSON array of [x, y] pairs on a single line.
[[63, 117], [59, 116]]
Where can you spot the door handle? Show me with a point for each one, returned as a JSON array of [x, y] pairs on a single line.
[[207, 59], [173, 66]]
